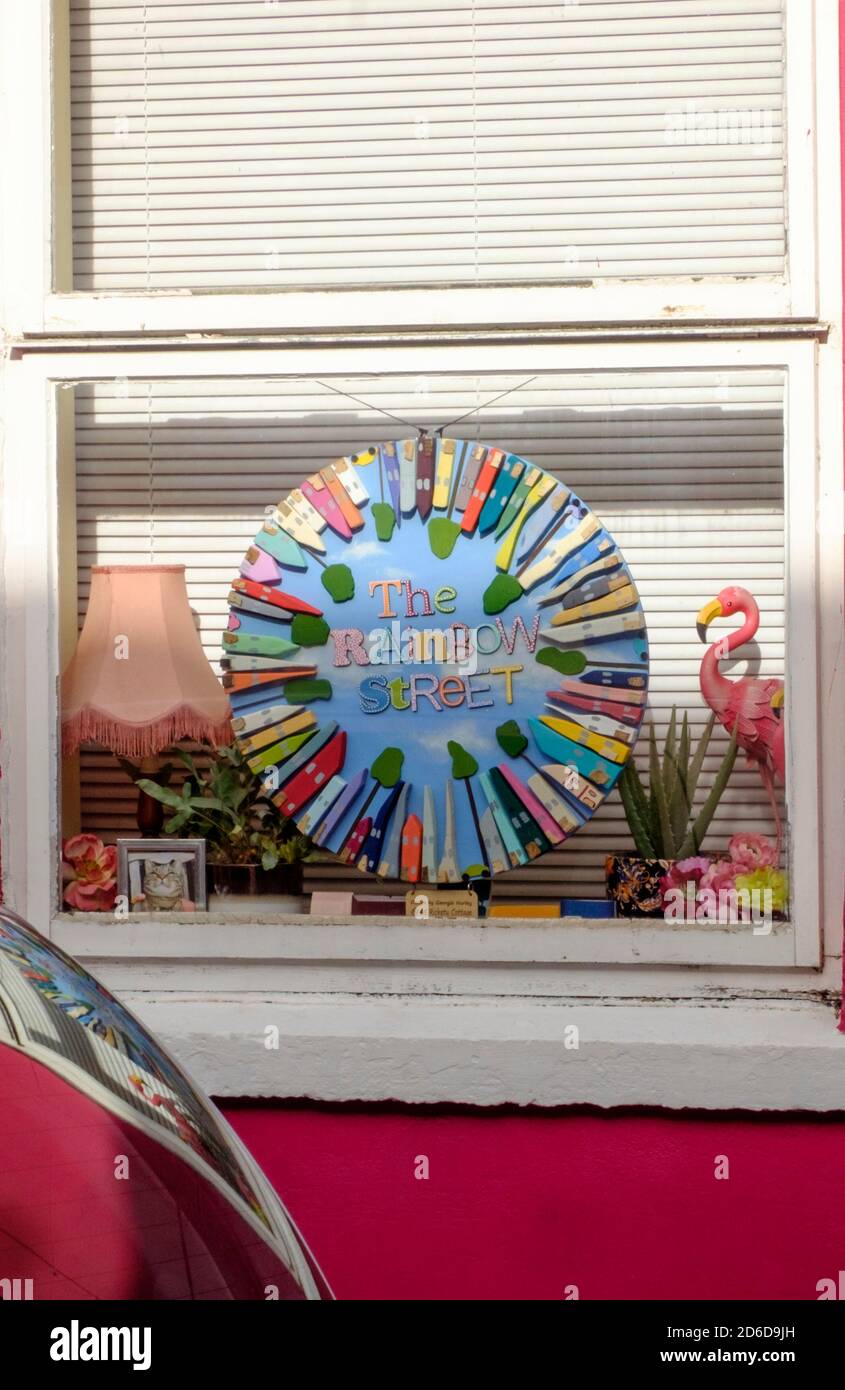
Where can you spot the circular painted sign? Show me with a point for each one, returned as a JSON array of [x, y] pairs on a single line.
[[437, 659]]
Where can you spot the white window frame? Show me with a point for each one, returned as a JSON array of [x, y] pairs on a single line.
[[33, 506], [37, 173], [464, 1013]]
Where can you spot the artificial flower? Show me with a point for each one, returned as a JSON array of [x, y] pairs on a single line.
[[685, 871], [752, 851], [765, 880], [89, 871]]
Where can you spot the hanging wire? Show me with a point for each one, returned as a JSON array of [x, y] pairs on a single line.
[[421, 428], [460, 418]]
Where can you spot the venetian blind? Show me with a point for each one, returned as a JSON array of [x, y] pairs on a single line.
[[684, 468], [287, 143]]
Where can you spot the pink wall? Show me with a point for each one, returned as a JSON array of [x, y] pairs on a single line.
[[520, 1204]]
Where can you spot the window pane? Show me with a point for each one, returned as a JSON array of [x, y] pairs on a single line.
[[684, 469], [286, 143]]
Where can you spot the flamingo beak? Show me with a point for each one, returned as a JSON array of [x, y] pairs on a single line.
[[711, 610]]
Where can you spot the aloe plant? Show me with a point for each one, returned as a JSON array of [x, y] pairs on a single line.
[[660, 818]]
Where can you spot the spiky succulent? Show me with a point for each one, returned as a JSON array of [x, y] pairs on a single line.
[[661, 818]]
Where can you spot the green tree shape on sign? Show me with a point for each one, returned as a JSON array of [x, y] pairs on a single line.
[[464, 768]]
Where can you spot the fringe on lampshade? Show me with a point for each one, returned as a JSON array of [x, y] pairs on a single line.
[[142, 740]]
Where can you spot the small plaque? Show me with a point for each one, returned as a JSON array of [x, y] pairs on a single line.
[[331, 905], [433, 905]]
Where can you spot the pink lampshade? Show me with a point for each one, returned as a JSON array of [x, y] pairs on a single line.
[[139, 679]]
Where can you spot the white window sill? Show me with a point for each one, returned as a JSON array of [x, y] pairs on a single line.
[[468, 1014]]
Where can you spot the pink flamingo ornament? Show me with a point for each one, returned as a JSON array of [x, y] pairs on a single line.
[[755, 706]]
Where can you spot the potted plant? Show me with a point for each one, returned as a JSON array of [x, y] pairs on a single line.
[[250, 847], [660, 816]]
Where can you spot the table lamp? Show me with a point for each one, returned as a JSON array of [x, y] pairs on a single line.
[[139, 680]]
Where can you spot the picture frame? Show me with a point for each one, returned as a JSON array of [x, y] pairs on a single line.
[[161, 875]]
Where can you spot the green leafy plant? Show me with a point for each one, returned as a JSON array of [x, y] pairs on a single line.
[[660, 817], [226, 804]]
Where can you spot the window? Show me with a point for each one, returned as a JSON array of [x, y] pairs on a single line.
[[655, 240]]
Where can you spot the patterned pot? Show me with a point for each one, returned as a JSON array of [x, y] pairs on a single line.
[[633, 884]]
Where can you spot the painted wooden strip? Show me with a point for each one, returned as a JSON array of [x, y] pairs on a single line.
[[513, 847], [301, 788], [346, 470], [302, 521], [609, 748], [411, 855], [294, 763], [596, 630], [555, 745], [407, 450], [528, 831], [557, 550], [571, 781], [261, 610], [474, 457], [348, 797], [247, 680], [502, 490], [425, 474], [348, 509], [516, 501], [276, 542], [598, 587], [538, 529], [255, 663], [260, 566], [318, 808], [533, 805], [597, 724], [297, 723], [390, 464], [602, 565], [263, 718], [543, 488], [497, 856], [371, 849], [250, 644], [559, 810], [617, 687], [621, 674], [486, 479], [356, 840], [276, 753], [388, 864], [277, 598], [623, 597], [315, 491], [447, 869], [613, 712], [446, 450], [429, 859]]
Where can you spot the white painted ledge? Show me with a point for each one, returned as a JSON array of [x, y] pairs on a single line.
[[370, 1011], [786, 1056]]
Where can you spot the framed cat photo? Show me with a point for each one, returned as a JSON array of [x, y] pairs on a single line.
[[162, 875]]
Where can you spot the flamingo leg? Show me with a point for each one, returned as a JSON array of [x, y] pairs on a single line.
[[768, 783]]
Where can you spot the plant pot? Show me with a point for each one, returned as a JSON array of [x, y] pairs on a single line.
[[251, 880], [633, 884]]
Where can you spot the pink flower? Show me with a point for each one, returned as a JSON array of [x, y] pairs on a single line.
[[752, 852], [720, 875], [685, 871], [89, 871]]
